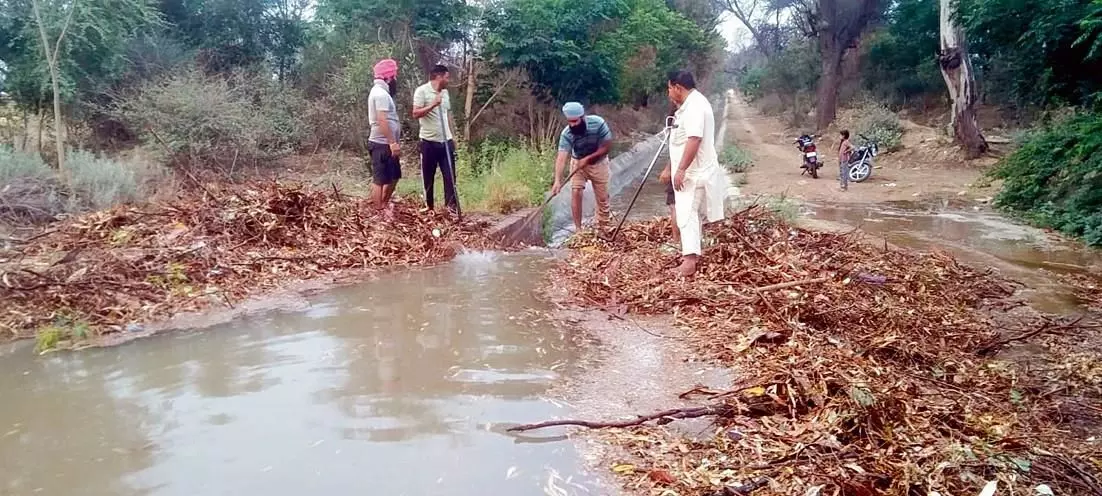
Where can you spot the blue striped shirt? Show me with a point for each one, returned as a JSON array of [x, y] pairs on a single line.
[[596, 133]]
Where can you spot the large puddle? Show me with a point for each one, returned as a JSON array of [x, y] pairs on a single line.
[[391, 387], [976, 235]]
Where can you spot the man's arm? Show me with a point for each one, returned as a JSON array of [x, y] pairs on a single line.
[[421, 104], [691, 147], [560, 164], [384, 126]]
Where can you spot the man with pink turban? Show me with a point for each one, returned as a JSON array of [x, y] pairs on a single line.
[[382, 143]]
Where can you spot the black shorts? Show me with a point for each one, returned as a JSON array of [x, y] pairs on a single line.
[[385, 168], [669, 193]]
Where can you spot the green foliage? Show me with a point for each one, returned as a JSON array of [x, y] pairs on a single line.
[[211, 120], [100, 182], [1055, 178], [18, 165], [498, 177], [875, 121], [91, 56], [750, 83], [792, 71], [1035, 52], [901, 62], [595, 51], [735, 159]]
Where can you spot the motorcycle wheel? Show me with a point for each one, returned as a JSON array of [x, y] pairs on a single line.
[[814, 172], [860, 171]]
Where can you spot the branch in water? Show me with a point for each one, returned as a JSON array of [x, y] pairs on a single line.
[[665, 416]]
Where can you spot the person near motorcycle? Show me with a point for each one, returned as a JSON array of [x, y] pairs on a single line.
[[845, 153], [699, 183], [586, 139]]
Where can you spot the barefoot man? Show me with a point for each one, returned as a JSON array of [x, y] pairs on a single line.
[[700, 184], [586, 140], [382, 142]]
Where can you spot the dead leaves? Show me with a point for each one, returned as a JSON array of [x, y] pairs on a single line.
[[125, 265], [861, 371]]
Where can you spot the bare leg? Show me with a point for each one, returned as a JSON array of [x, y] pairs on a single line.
[[673, 222], [377, 196], [576, 207]]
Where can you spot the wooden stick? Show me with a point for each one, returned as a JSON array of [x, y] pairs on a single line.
[[784, 285], [677, 413]]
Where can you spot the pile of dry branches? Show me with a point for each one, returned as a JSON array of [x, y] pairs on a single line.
[[127, 265], [865, 370]]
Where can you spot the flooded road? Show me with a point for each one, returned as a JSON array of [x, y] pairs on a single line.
[[382, 388], [976, 235]]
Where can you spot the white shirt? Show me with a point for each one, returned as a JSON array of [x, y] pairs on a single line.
[[694, 118]]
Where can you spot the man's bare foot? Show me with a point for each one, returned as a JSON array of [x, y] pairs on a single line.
[[686, 269]]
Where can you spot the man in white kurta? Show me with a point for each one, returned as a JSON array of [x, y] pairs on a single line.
[[700, 184]]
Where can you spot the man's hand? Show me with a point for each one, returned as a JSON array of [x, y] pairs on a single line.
[[438, 100], [395, 148], [556, 188], [679, 180], [582, 162], [664, 177]]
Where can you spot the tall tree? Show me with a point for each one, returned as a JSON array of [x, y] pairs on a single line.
[[956, 68], [50, 52], [841, 26]]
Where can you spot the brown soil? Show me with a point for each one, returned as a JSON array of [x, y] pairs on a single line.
[[927, 166]]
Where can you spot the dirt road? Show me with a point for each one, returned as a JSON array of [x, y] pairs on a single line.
[[926, 167]]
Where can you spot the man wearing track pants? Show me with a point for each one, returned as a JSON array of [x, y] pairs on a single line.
[[430, 102]]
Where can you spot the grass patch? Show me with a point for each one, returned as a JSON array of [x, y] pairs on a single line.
[[493, 177], [735, 159], [18, 165]]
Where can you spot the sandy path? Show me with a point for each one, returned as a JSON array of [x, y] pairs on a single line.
[[903, 175]]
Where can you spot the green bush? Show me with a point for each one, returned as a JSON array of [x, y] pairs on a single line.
[[1055, 178], [749, 83], [875, 121], [735, 159], [211, 120], [99, 182], [18, 165]]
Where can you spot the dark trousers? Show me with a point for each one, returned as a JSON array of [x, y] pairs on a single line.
[[434, 155]]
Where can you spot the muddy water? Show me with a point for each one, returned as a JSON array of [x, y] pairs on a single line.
[[975, 234], [391, 387]]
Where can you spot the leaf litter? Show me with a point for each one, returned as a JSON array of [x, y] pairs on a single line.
[[127, 266], [863, 370]]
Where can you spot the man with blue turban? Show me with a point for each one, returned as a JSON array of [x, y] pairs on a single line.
[[586, 140]]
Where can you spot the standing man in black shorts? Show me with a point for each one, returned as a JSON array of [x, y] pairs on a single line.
[[382, 143], [667, 177]]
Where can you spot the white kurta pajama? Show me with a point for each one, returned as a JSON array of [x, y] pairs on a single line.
[[705, 189]]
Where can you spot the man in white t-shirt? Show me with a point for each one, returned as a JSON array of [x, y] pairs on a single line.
[[700, 184], [432, 109]]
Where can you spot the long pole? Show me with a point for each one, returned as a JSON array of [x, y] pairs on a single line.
[[665, 140], [451, 164]]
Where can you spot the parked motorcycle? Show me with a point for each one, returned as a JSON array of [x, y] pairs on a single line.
[[811, 163], [860, 163]]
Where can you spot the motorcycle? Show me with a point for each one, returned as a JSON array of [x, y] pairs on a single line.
[[860, 162], [811, 163]]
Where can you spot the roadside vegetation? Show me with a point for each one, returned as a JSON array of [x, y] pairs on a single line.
[[1032, 67], [111, 101]]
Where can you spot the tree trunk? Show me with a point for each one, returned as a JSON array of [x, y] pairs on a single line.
[[468, 105], [956, 68], [826, 108], [51, 61]]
